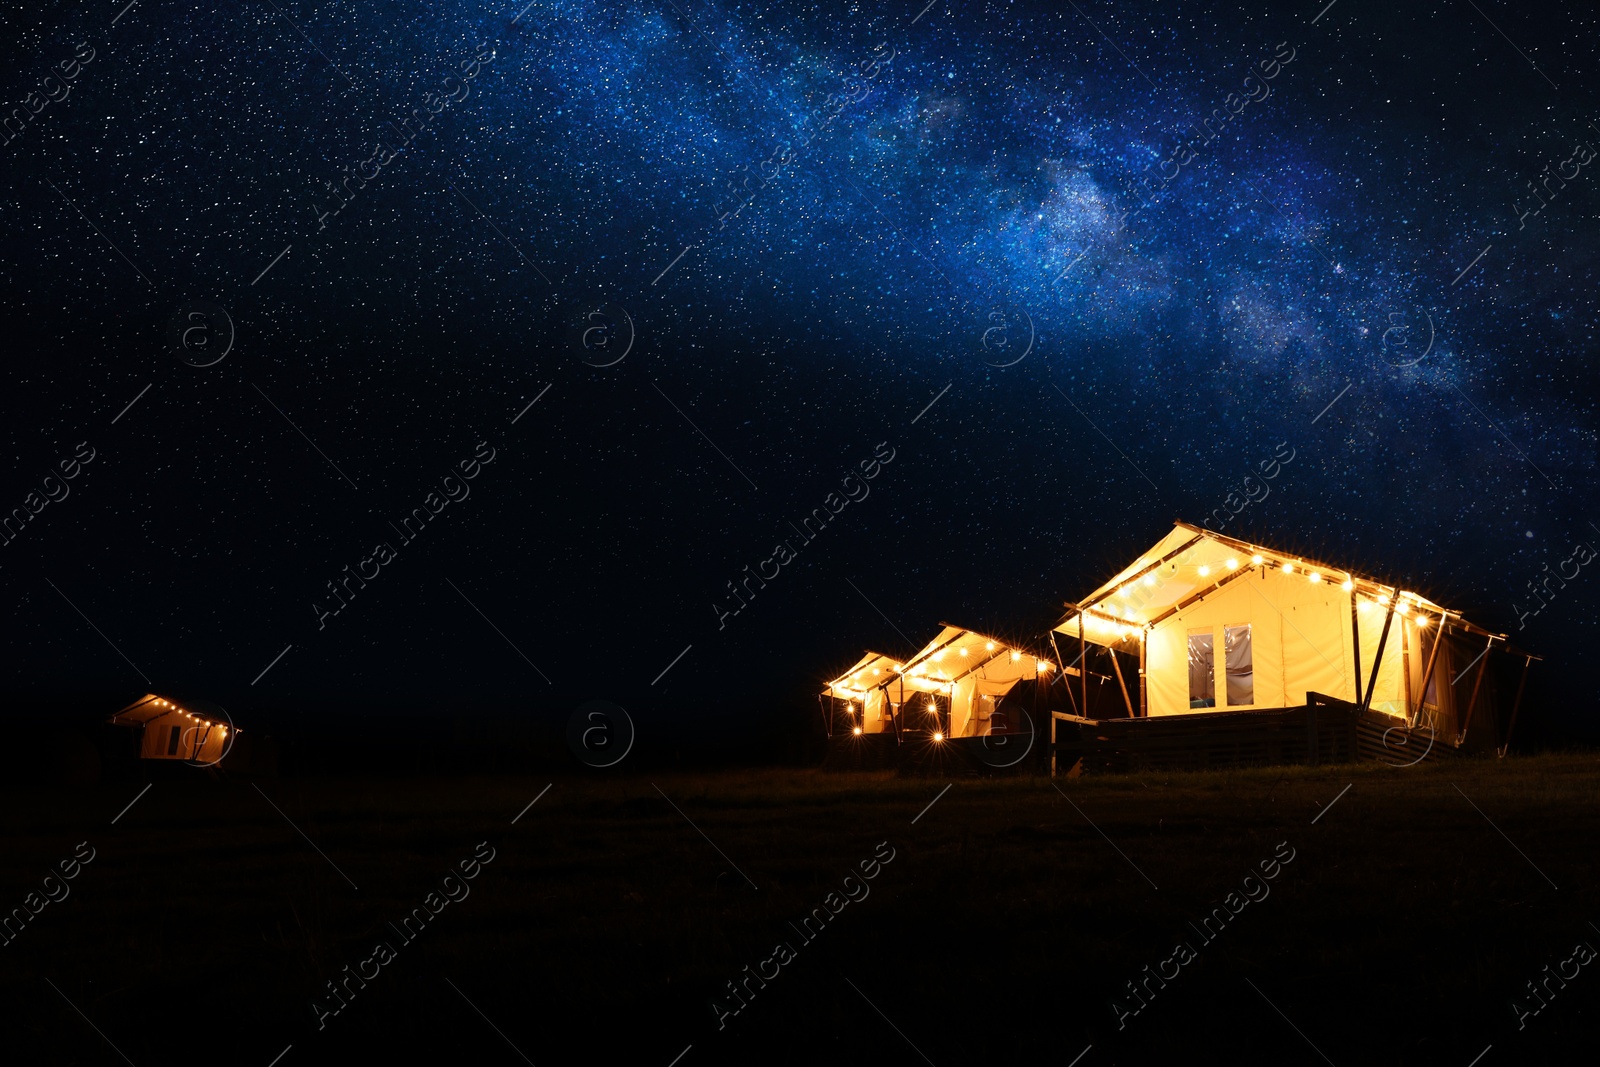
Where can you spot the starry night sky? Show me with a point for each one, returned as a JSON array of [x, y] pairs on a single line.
[[726, 251]]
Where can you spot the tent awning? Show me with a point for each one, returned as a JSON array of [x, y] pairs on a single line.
[[1188, 564], [959, 653], [150, 707]]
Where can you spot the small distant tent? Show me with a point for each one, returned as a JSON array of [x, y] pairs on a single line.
[[1220, 624], [169, 730]]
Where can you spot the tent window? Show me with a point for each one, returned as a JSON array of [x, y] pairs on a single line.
[[172, 741], [1202, 671], [1241, 671]]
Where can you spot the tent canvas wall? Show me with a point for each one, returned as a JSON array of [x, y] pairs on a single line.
[[169, 731], [1221, 624]]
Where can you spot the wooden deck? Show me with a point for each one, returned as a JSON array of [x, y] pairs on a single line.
[[1324, 730]]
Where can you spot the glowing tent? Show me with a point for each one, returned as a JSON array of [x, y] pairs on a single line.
[[170, 731], [861, 688], [1218, 624], [963, 675]]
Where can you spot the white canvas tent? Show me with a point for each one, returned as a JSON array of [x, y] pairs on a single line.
[[1226, 625], [861, 688], [170, 731], [964, 675]]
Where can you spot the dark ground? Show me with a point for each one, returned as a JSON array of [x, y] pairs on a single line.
[[1004, 926]]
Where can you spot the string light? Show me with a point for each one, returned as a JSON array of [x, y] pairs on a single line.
[[938, 735], [1257, 559], [1287, 567], [1348, 585], [857, 731], [1043, 666], [1422, 620], [1015, 655], [1315, 577], [1233, 564], [989, 646], [1204, 570], [1149, 579], [963, 651]]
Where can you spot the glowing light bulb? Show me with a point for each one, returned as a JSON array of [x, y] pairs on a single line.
[[1287, 568], [1043, 666], [1015, 655], [939, 654], [1315, 577], [963, 652], [1257, 559], [989, 646], [938, 735], [1204, 570], [876, 671], [1403, 608], [1149, 579], [1347, 585], [1233, 564], [1384, 599], [857, 731], [1422, 620]]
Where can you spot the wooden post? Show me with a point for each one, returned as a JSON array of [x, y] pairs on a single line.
[[1427, 672], [1377, 662], [1083, 664], [1313, 754], [1405, 665], [1052, 744], [1477, 681], [1515, 704], [1144, 681], [899, 709], [1355, 641], [1126, 699]]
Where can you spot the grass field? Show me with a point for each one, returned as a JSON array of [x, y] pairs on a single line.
[[1416, 906]]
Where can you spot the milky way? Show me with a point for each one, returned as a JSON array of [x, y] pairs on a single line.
[[1083, 265]]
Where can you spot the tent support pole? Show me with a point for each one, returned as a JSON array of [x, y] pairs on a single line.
[[1427, 672], [1066, 680], [1126, 699], [1405, 666], [1377, 662], [1515, 704], [827, 727], [1083, 665], [1052, 744], [1472, 701], [1355, 641], [1144, 686]]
